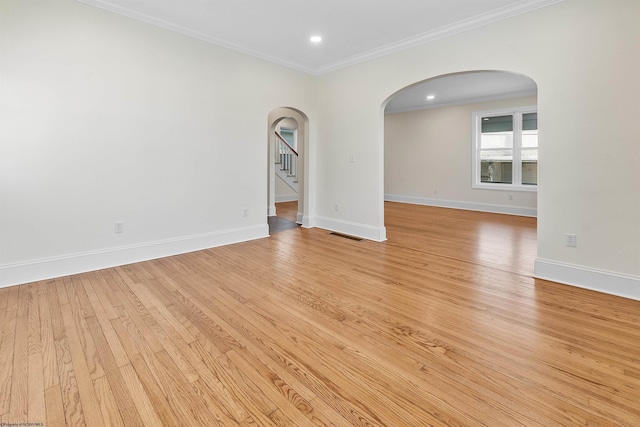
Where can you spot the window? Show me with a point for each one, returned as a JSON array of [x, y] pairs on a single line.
[[289, 135], [505, 149]]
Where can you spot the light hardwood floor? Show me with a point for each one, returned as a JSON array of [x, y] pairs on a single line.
[[442, 325], [287, 210]]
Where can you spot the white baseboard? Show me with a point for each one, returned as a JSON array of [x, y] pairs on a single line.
[[306, 221], [377, 234], [287, 198], [608, 282], [43, 269], [470, 206]]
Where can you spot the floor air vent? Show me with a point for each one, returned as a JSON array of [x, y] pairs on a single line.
[[346, 236]]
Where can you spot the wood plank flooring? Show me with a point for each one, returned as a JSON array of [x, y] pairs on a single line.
[[287, 210], [442, 325]]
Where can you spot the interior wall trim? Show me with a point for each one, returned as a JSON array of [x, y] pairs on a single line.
[[469, 206], [287, 198], [608, 282], [518, 8], [377, 234], [49, 268]]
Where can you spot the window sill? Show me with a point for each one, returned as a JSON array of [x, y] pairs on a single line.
[[507, 187]]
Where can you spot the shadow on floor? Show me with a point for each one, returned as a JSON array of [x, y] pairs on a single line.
[[277, 224]]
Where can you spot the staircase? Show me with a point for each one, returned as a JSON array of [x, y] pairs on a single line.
[[286, 159]]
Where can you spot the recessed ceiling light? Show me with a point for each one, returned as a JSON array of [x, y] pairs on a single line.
[[431, 97], [315, 39]]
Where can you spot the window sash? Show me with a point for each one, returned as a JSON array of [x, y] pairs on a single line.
[[518, 149]]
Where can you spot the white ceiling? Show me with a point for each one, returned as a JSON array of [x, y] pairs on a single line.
[[352, 30], [462, 88]]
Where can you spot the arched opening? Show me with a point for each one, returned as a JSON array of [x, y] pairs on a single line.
[[287, 165], [464, 140]]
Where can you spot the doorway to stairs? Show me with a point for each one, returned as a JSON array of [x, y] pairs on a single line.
[[287, 166]]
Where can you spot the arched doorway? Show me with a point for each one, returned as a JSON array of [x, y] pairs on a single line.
[[432, 144], [295, 123]]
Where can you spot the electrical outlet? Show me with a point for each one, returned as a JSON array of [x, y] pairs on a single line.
[[570, 240], [245, 212], [352, 157], [510, 196], [119, 227], [337, 207]]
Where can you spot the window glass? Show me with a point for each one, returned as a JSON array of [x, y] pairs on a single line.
[[496, 167], [496, 145], [497, 132], [287, 135], [529, 171], [506, 150]]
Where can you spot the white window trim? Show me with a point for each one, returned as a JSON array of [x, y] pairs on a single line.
[[294, 131], [476, 117]]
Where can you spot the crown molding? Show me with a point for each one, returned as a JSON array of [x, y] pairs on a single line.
[[442, 32], [519, 8], [133, 14]]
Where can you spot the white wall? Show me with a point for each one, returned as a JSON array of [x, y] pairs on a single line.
[[107, 119], [583, 56], [427, 160], [283, 192]]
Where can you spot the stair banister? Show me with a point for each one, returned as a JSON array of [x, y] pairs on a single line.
[[286, 156]]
